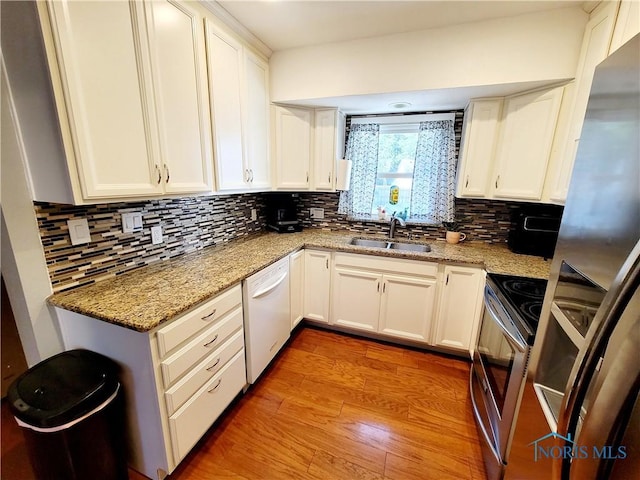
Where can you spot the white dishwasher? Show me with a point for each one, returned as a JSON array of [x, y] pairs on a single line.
[[266, 314]]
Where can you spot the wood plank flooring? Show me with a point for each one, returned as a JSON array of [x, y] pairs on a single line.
[[333, 406]]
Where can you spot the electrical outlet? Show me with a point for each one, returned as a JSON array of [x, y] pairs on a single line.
[[317, 213], [156, 235], [254, 214], [131, 222], [79, 231]]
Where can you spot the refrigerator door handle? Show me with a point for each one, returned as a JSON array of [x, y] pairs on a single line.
[[624, 286]]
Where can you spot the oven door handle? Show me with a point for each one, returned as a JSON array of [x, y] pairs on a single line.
[[519, 344], [479, 422]]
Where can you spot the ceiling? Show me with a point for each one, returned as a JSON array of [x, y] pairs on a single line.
[[285, 24]]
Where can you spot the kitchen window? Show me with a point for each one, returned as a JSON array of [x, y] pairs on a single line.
[[403, 164]]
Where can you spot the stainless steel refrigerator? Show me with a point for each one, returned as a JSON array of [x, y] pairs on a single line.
[[579, 416]]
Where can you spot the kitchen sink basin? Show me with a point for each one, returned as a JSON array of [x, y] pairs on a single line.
[[363, 242], [412, 247]]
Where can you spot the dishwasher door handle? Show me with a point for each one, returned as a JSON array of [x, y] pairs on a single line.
[[266, 290]]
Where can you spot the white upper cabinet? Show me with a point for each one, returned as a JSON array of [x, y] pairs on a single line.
[[627, 24], [595, 48], [507, 145], [238, 81], [328, 140], [307, 145], [103, 94], [131, 93], [182, 98], [293, 130], [478, 146], [526, 136]]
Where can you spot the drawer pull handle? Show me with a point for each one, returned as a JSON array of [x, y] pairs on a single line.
[[213, 366], [214, 388], [206, 317], [211, 341]]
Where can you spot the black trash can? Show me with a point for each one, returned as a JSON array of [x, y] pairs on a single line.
[[70, 409]]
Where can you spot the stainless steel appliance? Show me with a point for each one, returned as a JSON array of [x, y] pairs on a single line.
[[511, 310], [580, 417]]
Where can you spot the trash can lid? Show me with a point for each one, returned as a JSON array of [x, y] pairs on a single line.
[[62, 388]]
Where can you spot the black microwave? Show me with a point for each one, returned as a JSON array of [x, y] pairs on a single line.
[[534, 230]]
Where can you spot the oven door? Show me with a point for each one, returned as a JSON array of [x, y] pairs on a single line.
[[499, 366]]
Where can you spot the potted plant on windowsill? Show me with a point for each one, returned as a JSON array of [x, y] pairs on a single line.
[[454, 235]]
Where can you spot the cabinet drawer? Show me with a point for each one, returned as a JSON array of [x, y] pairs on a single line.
[[195, 417], [182, 360], [384, 264], [187, 386], [198, 319]]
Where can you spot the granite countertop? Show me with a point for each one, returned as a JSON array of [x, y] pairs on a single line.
[[145, 298]]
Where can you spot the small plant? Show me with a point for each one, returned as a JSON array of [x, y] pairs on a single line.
[[456, 224]]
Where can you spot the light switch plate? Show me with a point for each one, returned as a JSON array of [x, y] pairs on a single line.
[[131, 222], [79, 231], [317, 213]]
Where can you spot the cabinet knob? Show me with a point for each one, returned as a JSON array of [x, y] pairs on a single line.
[[497, 180], [211, 390], [466, 184], [251, 175], [159, 174], [207, 317], [329, 178], [211, 342], [168, 175]]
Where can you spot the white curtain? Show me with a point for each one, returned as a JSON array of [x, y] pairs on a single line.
[[362, 150], [434, 173]]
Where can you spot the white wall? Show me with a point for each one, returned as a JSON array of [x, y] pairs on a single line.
[[533, 47], [23, 264]]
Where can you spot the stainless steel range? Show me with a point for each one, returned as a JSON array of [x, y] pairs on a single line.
[[512, 307]]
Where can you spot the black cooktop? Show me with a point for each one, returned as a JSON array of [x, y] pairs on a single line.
[[523, 295]]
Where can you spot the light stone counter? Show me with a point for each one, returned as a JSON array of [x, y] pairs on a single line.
[[145, 298]]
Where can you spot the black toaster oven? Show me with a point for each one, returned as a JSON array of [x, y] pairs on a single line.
[[534, 230]]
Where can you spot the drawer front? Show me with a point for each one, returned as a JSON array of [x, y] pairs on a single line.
[[195, 417], [210, 366], [384, 264], [174, 366], [198, 319]]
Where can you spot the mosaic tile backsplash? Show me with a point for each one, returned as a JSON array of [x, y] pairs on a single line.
[[487, 220], [188, 224]]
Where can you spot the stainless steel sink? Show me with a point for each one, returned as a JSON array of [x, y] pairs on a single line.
[[413, 247], [363, 242]]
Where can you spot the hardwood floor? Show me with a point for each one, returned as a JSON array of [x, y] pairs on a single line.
[[332, 406]]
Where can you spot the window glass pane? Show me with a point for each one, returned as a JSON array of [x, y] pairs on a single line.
[[381, 195], [397, 152], [396, 158]]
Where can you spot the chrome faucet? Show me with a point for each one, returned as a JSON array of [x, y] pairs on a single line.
[[392, 224]]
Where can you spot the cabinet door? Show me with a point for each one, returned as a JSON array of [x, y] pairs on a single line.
[[407, 305], [296, 287], [225, 79], [257, 121], [180, 85], [100, 51], [480, 136], [460, 307], [325, 149], [595, 45], [356, 298], [317, 282], [529, 123], [292, 147], [627, 24]]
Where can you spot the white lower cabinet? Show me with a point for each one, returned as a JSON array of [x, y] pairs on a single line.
[[176, 379], [394, 297], [296, 287], [317, 282], [460, 307], [407, 305]]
